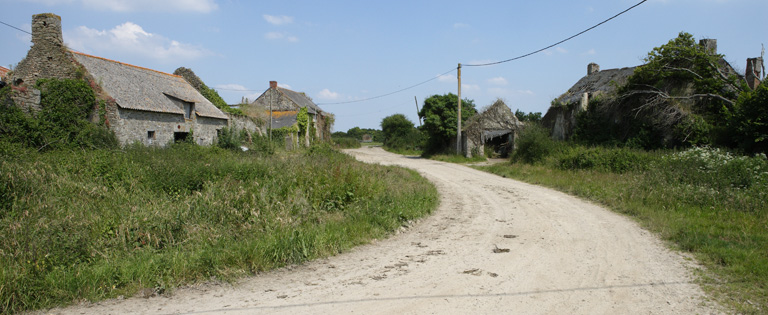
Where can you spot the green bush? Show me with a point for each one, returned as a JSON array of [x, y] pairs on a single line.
[[616, 160], [62, 121], [229, 138], [535, 144]]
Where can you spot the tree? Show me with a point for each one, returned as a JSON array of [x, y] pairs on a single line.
[[530, 117], [400, 133], [749, 123], [440, 119]]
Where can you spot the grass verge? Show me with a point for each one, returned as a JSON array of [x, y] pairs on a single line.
[[704, 201], [97, 224]]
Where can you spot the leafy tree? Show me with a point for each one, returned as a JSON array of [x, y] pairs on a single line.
[[749, 123], [400, 133], [440, 119], [530, 117]]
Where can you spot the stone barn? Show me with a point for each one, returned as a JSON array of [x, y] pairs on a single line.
[[142, 105], [495, 128]]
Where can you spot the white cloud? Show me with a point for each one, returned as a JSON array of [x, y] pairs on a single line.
[[470, 87], [447, 78], [589, 52], [498, 81], [460, 25], [326, 94], [132, 39], [281, 36], [558, 49], [525, 92], [285, 86], [278, 20]]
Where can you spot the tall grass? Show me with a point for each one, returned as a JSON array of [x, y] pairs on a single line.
[[705, 201], [97, 224]]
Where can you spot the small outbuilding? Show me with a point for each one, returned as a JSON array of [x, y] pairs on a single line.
[[495, 128]]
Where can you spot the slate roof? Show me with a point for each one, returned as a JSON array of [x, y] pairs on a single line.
[[145, 89], [599, 82], [283, 121], [301, 100]]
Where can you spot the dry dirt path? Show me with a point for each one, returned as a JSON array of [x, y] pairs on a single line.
[[493, 246]]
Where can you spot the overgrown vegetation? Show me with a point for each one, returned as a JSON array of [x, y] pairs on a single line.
[[358, 133], [62, 121], [101, 223], [440, 114], [706, 201], [209, 93], [684, 95]]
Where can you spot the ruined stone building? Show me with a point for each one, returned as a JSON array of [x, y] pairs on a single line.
[[561, 116], [142, 105], [495, 128]]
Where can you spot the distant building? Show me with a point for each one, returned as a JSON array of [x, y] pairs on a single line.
[[142, 105], [367, 138], [285, 105]]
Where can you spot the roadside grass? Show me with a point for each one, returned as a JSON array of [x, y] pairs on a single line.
[[705, 201], [455, 158], [89, 225], [402, 151], [345, 143]]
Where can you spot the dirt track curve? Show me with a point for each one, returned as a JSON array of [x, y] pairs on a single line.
[[494, 245]]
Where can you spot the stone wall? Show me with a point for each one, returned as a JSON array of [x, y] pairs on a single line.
[[247, 123], [157, 129]]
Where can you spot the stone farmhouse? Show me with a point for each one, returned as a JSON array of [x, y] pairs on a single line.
[[496, 127], [142, 105], [285, 105]]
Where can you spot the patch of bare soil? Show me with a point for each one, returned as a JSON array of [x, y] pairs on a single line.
[[494, 245]]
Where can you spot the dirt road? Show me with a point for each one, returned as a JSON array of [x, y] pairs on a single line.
[[494, 246]]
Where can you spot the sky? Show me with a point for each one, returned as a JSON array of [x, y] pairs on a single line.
[[341, 52]]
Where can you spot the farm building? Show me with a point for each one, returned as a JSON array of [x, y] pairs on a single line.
[[142, 105], [495, 128], [285, 105]]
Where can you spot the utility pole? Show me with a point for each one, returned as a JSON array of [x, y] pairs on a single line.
[[417, 109], [458, 129]]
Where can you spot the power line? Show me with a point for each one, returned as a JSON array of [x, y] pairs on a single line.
[[11, 26], [390, 93], [558, 43]]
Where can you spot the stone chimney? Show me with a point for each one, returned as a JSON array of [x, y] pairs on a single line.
[[754, 70], [272, 84], [47, 58], [710, 45], [593, 68]]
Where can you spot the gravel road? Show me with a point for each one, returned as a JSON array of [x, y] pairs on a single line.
[[493, 246]]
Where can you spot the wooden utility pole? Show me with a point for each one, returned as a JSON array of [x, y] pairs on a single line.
[[270, 119], [458, 129], [417, 109]]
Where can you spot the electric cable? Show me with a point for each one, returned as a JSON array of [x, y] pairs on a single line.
[[555, 44]]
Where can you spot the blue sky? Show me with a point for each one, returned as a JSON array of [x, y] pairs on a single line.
[[339, 51]]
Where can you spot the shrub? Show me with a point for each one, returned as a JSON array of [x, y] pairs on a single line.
[[346, 142], [616, 160], [534, 145]]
